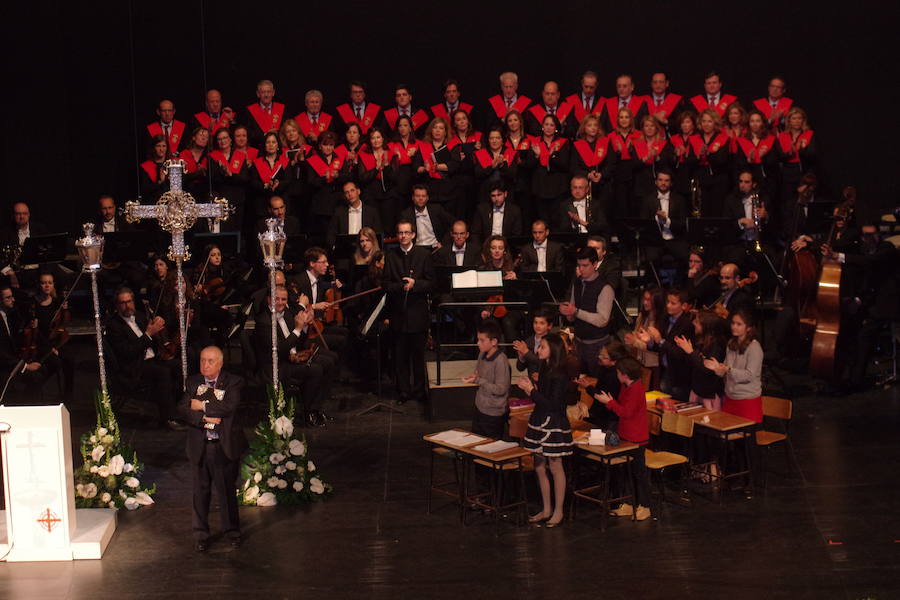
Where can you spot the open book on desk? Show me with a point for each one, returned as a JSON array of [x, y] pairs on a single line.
[[477, 279]]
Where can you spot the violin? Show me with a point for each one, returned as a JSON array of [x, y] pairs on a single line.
[[333, 313], [718, 306], [28, 350], [210, 290]]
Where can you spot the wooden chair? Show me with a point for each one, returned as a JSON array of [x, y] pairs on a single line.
[[775, 411], [659, 461]]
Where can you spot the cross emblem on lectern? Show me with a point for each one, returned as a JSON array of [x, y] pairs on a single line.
[[48, 520]]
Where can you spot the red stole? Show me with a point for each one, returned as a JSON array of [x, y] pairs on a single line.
[[343, 151], [562, 111], [486, 159], [612, 107], [717, 143], [207, 123], [176, 133], [642, 148], [475, 136], [756, 153], [267, 173], [546, 151], [302, 149], [321, 168], [426, 150], [419, 118], [784, 104], [733, 140], [264, 120], [345, 111], [678, 141], [190, 165], [252, 153], [668, 104], [788, 147], [151, 169], [592, 158], [578, 106], [620, 144], [402, 151], [524, 143], [234, 164], [499, 105], [306, 126], [700, 103], [440, 110]]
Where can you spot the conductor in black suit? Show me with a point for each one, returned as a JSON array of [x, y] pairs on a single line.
[[408, 278], [668, 209], [215, 442], [364, 215], [499, 217]]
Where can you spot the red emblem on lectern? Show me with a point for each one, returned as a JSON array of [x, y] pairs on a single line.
[[48, 520]]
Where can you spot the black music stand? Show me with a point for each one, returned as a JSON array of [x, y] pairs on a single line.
[[39, 249], [712, 231], [125, 246], [371, 324], [554, 283], [229, 242], [294, 247]]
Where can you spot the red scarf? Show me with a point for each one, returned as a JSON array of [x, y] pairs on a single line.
[[176, 134], [419, 118], [755, 153], [547, 151], [321, 167], [620, 144], [475, 136], [265, 121], [578, 106], [267, 173], [306, 126], [233, 164], [190, 165], [792, 148], [499, 105], [440, 110], [345, 111], [592, 157]]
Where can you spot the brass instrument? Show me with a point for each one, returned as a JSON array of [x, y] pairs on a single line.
[[589, 203], [696, 199], [754, 202]]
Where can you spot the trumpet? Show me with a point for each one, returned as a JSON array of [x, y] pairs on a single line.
[[696, 199], [754, 202]]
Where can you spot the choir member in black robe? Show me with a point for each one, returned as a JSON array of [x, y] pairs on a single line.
[[377, 174], [293, 145], [587, 102], [775, 105], [326, 176], [594, 158], [798, 152], [712, 97], [508, 99], [624, 98], [358, 110], [313, 121], [622, 142], [523, 165], [269, 174], [405, 145], [757, 152], [550, 179], [685, 161], [154, 180], [230, 174], [451, 102], [436, 165], [662, 104], [463, 134], [551, 104], [264, 115], [494, 164], [652, 153], [403, 99], [196, 165], [710, 148], [214, 115], [167, 126]]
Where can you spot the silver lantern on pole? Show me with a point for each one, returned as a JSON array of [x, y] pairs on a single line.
[[90, 250], [271, 243]]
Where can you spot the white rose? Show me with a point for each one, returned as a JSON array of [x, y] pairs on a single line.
[[128, 468], [257, 478], [94, 468], [79, 489], [103, 471], [116, 464], [90, 490], [316, 485], [282, 484], [131, 503], [290, 465], [123, 494], [143, 498], [310, 466], [132, 482], [276, 458], [106, 497], [272, 481], [97, 453], [266, 499], [298, 485], [112, 504], [93, 439], [283, 426], [251, 494], [297, 448], [279, 470], [107, 439], [102, 431]]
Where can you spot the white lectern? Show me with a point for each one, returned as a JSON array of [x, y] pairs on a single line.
[[41, 522]]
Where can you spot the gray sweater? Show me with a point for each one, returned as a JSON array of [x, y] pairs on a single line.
[[493, 384], [744, 380]]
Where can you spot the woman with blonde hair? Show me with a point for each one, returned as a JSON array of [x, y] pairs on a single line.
[[366, 247]]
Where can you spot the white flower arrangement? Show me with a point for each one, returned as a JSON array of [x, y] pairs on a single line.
[[277, 469], [110, 474]]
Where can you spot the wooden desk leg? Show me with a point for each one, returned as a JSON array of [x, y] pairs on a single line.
[[523, 499], [430, 491], [605, 516], [629, 474], [463, 490]]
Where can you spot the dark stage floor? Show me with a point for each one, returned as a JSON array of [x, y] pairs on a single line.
[[833, 531]]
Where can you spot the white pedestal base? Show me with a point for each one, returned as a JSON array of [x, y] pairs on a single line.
[[94, 528]]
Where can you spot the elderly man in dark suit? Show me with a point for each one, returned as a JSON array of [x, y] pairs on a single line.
[[215, 442]]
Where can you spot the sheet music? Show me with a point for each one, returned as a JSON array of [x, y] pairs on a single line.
[[371, 320], [494, 447]]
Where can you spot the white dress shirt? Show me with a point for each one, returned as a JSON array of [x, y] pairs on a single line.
[[497, 220], [132, 322], [354, 219], [24, 234], [581, 209], [541, 251], [665, 227], [313, 286], [459, 254], [109, 226], [424, 229]]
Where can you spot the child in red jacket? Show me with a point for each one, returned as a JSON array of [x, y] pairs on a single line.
[[631, 406]]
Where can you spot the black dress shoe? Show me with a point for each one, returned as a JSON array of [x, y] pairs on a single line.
[[202, 545], [175, 425], [235, 541], [325, 417], [314, 420]]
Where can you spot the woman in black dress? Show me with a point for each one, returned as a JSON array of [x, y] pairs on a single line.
[[377, 176], [549, 434], [550, 180]]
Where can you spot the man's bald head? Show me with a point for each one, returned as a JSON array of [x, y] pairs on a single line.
[[211, 360]]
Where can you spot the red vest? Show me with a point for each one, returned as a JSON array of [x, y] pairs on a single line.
[[756, 153], [345, 112], [578, 107], [475, 136], [176, 133], [321, 168], [419, 118], [668, 105], [562, 111], [440, 110], [499, 105], [190, 165], [238, 157], [207, 123], [788, 146], [265, 121], [700, 103], [306, 126], [592, 158], [267, 173]]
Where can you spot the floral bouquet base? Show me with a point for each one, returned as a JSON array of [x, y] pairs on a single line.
[[110, 475], [277, 469]]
